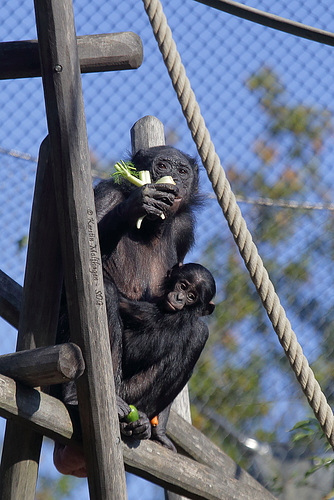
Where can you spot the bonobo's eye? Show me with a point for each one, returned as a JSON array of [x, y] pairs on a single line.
[[183, 285], [161, 165], [191, 297], [183, 171]]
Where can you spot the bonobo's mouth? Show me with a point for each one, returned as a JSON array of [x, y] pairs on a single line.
[[177, 201], [169, 306]]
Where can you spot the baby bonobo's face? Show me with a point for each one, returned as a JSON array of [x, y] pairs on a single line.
[[183, 294]]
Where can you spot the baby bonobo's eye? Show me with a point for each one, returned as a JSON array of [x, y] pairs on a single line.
[[183, 285], [191, 297]]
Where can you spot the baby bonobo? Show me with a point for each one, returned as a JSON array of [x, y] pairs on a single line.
[[162, 341]]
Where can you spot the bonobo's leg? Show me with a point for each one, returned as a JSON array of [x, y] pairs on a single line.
[[159, 432], [141, 429]]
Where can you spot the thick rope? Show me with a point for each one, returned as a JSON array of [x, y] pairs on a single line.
[[236, 222]]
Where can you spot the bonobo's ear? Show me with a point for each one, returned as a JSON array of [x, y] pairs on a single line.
[[175, 267], [209, 309]]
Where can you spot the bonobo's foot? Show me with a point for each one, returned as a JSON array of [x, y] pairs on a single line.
[[159, 436], [69, 460], [140, 429]]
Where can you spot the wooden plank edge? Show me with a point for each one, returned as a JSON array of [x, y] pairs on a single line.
[[97, 53]]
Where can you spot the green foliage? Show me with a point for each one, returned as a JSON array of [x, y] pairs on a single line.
[[55, 489]]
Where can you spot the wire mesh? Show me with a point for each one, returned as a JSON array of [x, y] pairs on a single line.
[[267, 99]]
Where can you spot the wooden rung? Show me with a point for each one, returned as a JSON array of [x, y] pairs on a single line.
[[44, 365], [104, 52]]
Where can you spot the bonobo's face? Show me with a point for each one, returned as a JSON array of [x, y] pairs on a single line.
[[189, 286], [166, 160], [184, 294]]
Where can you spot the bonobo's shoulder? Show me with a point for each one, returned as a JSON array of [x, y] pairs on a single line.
[[107, 194], [107, 187]]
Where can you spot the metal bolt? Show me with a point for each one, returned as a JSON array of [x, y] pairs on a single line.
[[58, 68]]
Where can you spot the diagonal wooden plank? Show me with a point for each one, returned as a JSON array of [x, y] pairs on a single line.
[[80, 247], [37, 327]]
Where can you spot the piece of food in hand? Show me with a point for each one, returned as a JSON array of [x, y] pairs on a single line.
[[154, 421], [128, 171], [133, 416]]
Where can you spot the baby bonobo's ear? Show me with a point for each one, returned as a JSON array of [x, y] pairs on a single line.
[[176, 266], [209, 309]]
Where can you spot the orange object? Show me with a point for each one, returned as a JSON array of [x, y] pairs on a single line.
[[154, 421]]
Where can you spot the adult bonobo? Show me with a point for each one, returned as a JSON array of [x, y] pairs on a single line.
[[137, 260]]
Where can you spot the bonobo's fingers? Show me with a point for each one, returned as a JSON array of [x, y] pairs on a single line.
[[150, 199], [123, 408], [140, 429], [162, 439]]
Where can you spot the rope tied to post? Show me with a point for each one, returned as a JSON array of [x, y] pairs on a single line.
[[235, 220]]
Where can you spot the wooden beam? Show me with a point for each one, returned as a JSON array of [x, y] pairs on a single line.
[[80, 246], [10, 299], [216, 481], [37, 326], [104, 52], [196, 445], [146, 133], [45, 365]]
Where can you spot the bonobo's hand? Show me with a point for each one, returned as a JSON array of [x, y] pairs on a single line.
[[152, 200], [159, 435], [123, 408], [140, 429]]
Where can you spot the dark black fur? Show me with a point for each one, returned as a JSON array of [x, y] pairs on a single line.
[[137, 261], [161, 345]]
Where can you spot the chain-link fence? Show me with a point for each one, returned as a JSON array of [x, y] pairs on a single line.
[[267, 99]]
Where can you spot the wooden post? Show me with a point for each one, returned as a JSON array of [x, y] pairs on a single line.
[[80, 247], [146, 133], [37, 327]]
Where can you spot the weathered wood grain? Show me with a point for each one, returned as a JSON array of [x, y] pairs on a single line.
[[147, 459], [196, 445], [37, 327], [104, 52], [80, 247], [146, 133], [45, 365]]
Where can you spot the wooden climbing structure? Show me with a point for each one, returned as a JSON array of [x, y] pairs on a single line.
[[63, 245]]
